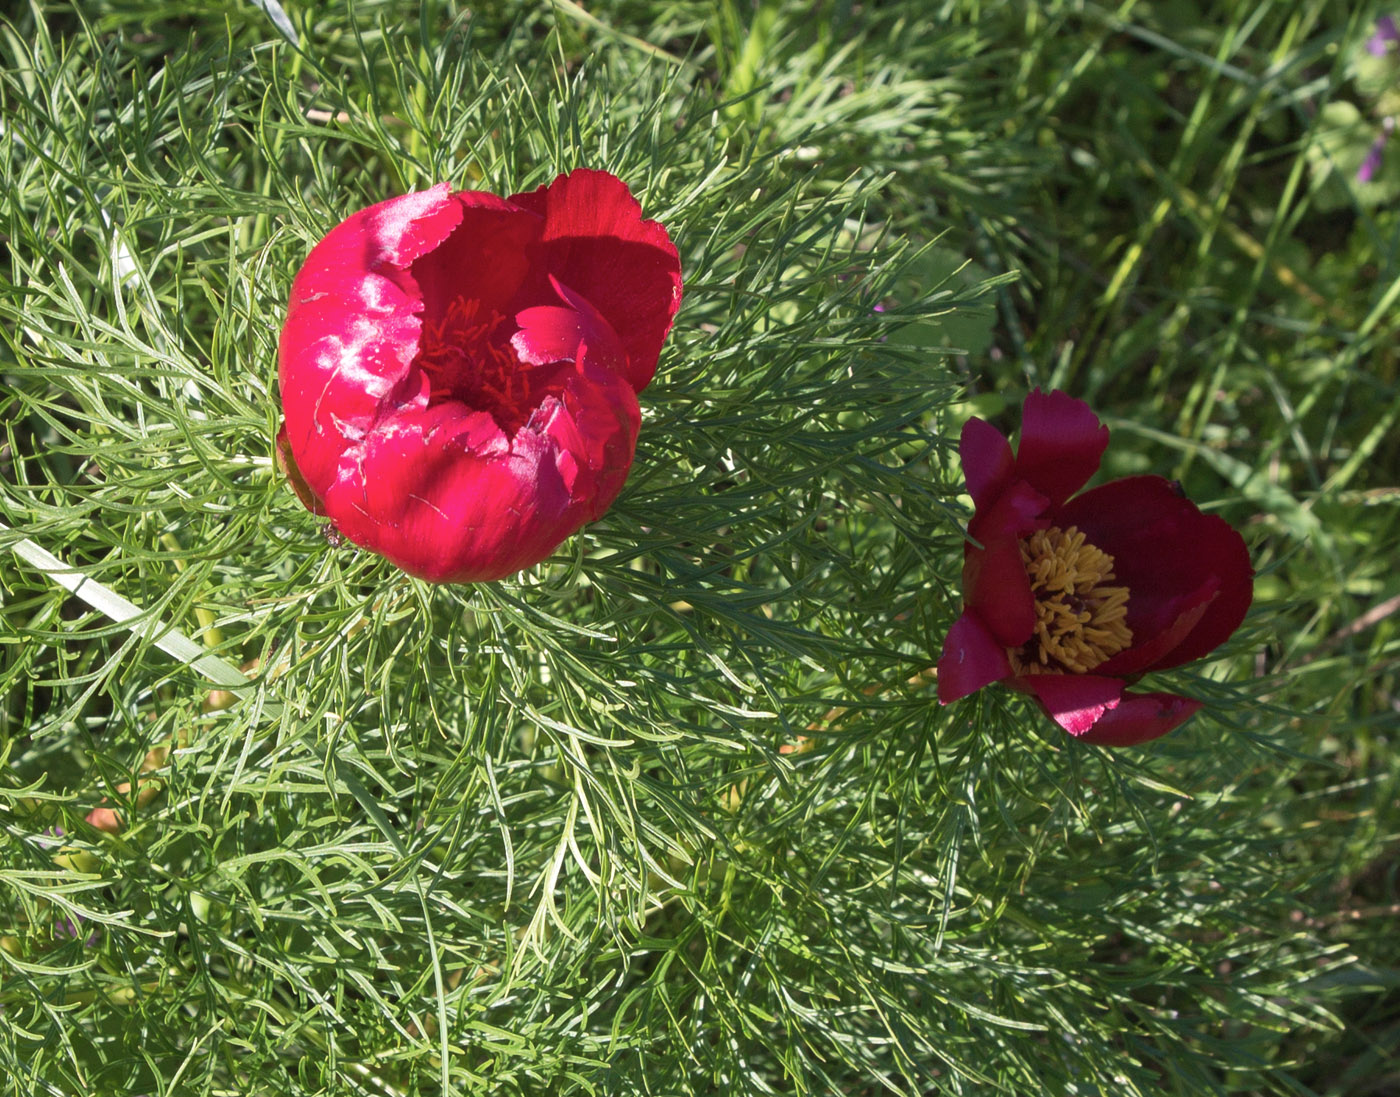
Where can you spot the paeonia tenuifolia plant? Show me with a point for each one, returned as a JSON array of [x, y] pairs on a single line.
[[1071, 598], [459, 371]]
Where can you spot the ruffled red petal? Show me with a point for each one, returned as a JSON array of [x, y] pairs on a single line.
[[972, 658], [439, 491], [553, 333], [386, 237], [593, 426], [1062, 442], [421, 499], [446, 495], [352, 326], [1173, 559], [1140, 717], [597, 243]]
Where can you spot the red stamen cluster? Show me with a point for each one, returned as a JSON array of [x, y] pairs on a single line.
[[465, 358]]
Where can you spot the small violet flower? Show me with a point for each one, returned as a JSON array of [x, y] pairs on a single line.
[[1372, 164], [459, 371], [69, 927], [1072, 599], [1383, 41], [1387, 35]]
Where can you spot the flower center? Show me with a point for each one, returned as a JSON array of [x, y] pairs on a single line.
[[1079, 620], [466, 357]]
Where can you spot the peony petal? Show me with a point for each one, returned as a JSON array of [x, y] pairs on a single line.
[[551, 333], [1074, 701], [487, 258], [1016, 512], [1222, 550], [338, 368], [548, 333], [997, 589], [972, 658], [995, 584], [352, 327], [1139, 717], [594, 425], [1173, 559], [987, 461], [1149, 647], [1062, 442], [385, 238], [443, 493], [597, 243]]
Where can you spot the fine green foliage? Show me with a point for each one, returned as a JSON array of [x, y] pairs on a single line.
[[678, 812]]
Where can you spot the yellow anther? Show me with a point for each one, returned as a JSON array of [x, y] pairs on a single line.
[[1080, 621]]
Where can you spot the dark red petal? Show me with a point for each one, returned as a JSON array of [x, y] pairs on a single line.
[[486, 259], [1074, 701], [987, 461], [1224, 553], [1172, 558], [1150, 647], [352, 326], [1140, 717], [972, 658], [1061, 444], [1016, 512], [995, 584], [597, 243], [997, 589]]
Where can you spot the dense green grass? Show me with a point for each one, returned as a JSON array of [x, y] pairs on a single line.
[[677, 812]]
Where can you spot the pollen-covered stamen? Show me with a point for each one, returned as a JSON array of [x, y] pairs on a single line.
[[466, 356], [1080, 621]]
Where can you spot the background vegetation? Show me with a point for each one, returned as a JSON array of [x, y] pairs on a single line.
[[678, 813]]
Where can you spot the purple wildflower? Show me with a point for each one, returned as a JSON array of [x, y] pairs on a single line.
[[1387, 34], [1372, 163], [67, 927]]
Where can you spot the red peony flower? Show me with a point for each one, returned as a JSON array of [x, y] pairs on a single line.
[[459, 371], [1070, 600]]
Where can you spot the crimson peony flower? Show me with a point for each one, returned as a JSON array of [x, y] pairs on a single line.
[[459, 371], [1070, 600]]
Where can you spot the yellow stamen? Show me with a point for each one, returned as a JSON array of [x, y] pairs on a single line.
[[1079, 620]]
